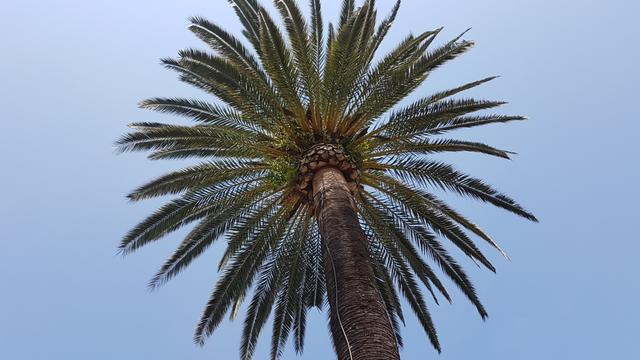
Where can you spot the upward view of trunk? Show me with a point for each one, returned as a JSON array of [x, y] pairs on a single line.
[[360, 326]]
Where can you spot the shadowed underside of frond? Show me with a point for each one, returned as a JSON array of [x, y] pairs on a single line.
[[292, 101]]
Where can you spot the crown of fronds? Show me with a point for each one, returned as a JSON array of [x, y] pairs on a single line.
[[277, 102]]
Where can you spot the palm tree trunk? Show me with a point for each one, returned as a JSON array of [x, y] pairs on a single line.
[[360, 325]]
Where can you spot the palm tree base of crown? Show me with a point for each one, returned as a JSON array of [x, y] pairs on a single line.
[[320, 156]]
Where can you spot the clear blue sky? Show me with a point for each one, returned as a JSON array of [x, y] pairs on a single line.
[[71, 73]]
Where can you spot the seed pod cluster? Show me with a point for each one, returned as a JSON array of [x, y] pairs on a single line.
[[322, 155]]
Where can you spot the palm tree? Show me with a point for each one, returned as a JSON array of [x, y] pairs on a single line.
[[318, 182]]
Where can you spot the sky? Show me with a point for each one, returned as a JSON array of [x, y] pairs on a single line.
[[72, 72]]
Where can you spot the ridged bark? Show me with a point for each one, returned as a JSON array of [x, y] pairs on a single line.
[[360, 325]]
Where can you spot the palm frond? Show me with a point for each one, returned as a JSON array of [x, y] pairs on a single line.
[[348, 8], [228, 141], [261, 304], [405, 199], [247, 11], [301, 46], [288, 300], [230, 47], [247, 228], [238, 275], [382, 31], [201, 111], [410, 290], [389, 296], [317, 43], [217, 75], [192, 206], [422, 116], [266, 291], [315, 289], [436, 174], [346, 61], [202, 175], [427, 146], [277, 61], [208, 231], [399, 227], [370, 85], [415, 75], [401, 81], [411, 200]]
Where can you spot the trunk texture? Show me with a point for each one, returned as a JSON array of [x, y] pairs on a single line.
[[360, 325]]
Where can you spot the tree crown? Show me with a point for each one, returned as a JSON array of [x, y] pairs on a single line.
[[288, 107]]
